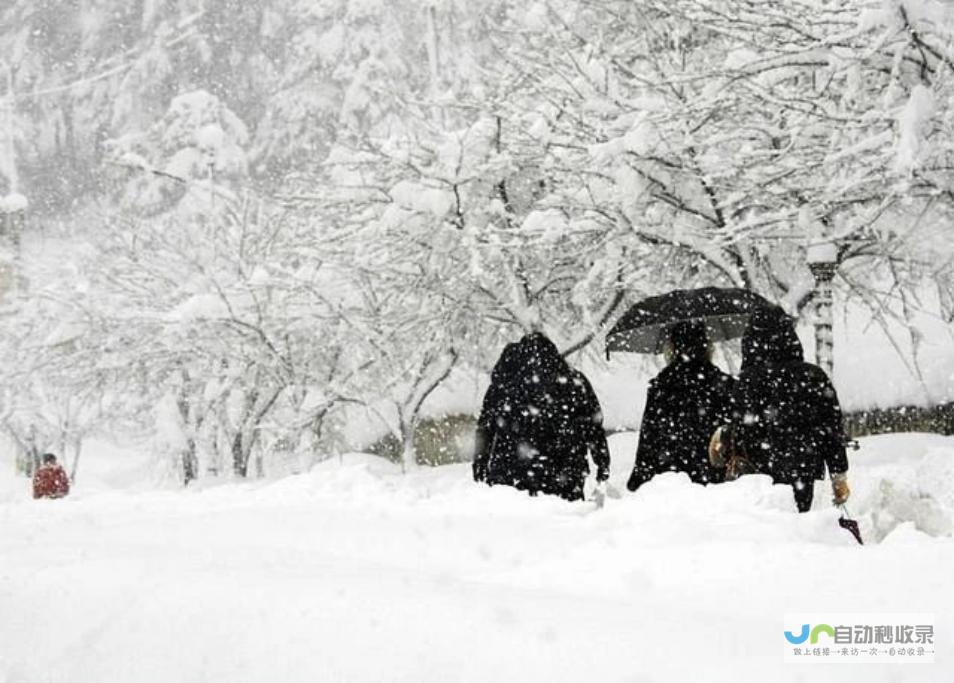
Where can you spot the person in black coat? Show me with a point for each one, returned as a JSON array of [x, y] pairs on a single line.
[[493, 431], [685, 404], [538, 421], [577, 420], [788, 421]]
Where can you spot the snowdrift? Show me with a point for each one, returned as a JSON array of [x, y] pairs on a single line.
[[354, 572]]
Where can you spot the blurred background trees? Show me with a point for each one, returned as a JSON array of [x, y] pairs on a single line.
[[251, 221]]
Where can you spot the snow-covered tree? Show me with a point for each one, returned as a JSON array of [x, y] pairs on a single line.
[[301, 207], [718, 142]]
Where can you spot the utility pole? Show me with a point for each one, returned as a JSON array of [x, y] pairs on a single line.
[[822, 260]]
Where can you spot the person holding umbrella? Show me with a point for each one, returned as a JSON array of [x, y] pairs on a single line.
[[691, 397], [685, 404], [788, 421]]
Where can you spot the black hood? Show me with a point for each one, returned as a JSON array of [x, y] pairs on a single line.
[[770, 338], [689, 341], [540, 360], [508, 366]]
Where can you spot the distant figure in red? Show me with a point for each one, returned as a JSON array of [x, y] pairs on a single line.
[[50, 480]]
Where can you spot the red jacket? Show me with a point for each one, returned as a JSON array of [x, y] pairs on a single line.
[[50, 481]]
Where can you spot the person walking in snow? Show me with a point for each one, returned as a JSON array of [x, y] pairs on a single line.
[[494, 448], [787, 421], [50, 480], [539, 420], [578, 432], [685, 404]]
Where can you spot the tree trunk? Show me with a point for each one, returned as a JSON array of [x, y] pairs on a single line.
[[433, 62], [64, 430], [408, 451], [11, 150], [33, 453], [239, 459], [77, 449], [215, 459], [190, 463]]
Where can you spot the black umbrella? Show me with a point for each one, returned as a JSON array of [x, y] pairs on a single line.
[[645, 326], [851, 525]]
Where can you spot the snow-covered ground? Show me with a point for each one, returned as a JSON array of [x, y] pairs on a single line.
[[354, 572]]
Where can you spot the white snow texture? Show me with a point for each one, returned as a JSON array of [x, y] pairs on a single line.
[[354, 572]]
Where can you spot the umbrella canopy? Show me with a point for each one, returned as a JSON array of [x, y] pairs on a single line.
[[851, 525], [645, 326]]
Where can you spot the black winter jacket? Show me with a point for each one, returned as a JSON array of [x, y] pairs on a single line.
[[788, 421], [577, 421], [685, 404], [538, 421]]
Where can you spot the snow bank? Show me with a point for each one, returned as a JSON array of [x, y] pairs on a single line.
[[355, 572], [906, 486]]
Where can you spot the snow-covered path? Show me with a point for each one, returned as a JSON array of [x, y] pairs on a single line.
[[353, 572]]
